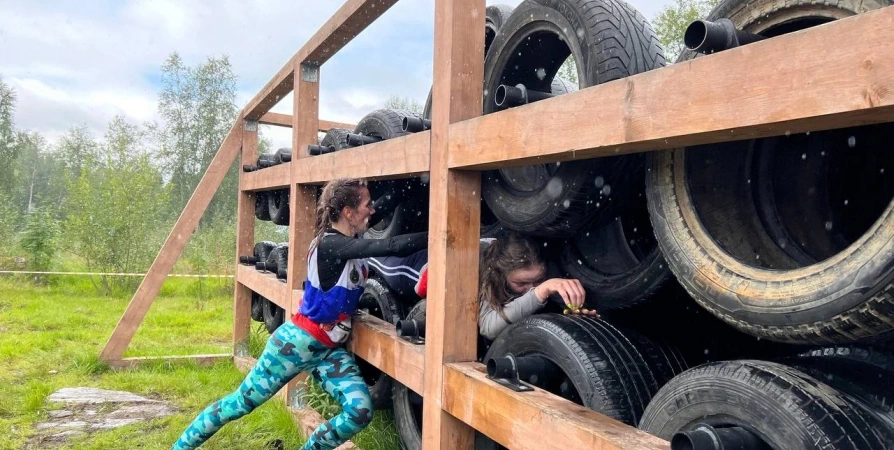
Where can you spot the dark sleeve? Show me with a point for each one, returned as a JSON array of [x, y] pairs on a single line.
[[339, 247], [384, 206]]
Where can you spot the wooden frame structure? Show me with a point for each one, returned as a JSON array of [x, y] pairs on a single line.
[[785, 88]]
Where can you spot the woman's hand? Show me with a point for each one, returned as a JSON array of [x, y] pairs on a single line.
[[571, 291]]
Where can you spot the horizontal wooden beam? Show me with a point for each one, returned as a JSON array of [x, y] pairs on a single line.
[[395, 158], [534, 420], [276, 177], [352, 18], [799, 82], [376, 342], [285, 120], [326, 125], [202, 360], [264, 284]]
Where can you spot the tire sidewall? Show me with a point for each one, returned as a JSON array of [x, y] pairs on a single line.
[[742, 294]]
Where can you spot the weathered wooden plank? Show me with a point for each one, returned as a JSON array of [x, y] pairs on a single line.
[[285, 120], [245, 237], [763, 89], [376, 342], [352, 18], [264, 284], [276, 177], [174, 244], [394, 158], [534, 420], [451, 317]]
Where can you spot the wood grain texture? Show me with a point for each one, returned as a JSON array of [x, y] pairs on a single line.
[[395, 158], [245, 237], [763, 89], [376, 342], [285, 120], [270, 178], [451, 317], [174, 244], [264, 284], [534, 420], [352, 18]]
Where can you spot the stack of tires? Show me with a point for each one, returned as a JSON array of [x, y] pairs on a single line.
[[273, 258], [784, 243]]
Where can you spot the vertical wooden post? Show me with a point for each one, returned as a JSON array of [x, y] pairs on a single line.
[[454, 217], [245, 237], [305, 117]]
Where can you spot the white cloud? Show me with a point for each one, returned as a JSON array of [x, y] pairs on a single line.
[[74, 63]]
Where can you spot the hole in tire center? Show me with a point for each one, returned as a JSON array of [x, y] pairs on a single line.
[[535, 58], [791, 201]]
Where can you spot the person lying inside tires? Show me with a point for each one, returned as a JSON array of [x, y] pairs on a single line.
[[513, 282], [313, 341]]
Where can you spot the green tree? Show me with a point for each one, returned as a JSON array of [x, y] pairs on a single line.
[[197, 106], [397, 102], [8, 147], [39, 239], [117, 206], [568, 71], [75, 149], [36, 174], [671, 22]]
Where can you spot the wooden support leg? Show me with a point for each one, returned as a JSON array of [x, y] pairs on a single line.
[[302, 205], [245, 237], [174, 244], [451, 318]]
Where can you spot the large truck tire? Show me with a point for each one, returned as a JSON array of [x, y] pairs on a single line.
[[786, 238], [608, 40], [784, 407]]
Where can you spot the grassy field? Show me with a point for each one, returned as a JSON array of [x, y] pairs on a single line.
[[50, 337]]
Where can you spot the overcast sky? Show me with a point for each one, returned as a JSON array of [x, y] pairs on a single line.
[[83, 62]]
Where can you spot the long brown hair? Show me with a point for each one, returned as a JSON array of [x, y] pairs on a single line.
[[335, 196], [510, 251]]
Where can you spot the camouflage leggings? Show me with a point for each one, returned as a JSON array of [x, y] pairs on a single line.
[[289, 352]]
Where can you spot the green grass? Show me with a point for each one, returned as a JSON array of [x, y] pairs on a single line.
[[62, 327]]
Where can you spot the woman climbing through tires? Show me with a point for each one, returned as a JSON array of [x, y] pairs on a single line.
[[313, 340], [513, 283]]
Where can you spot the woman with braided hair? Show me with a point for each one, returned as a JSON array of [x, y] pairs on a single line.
[[313, 341]]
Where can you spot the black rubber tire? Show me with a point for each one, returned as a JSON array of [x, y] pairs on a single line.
[[613, 372], [787, 408], [384, 123], [619, 263], [408, 404], [846, 298], [278, 205], [262, 249], [265, 157], [282, 155], [609, 40], [494, 18], [262, 209], [336, 137], [380, 302], [864, 373], [281, 257], [257, 307], [410, 216], [274, 316]]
